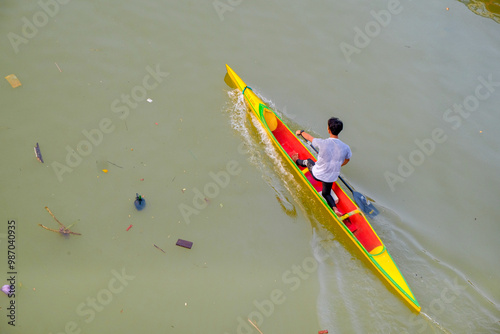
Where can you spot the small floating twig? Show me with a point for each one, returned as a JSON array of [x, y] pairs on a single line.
[[114, 164], [46, 208], [257, 328], [63, 229], [160, 249], [58, 67]]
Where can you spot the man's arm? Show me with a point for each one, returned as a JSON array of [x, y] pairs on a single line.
[[306, 136]]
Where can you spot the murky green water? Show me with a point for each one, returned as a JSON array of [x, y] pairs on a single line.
[[136, 88]]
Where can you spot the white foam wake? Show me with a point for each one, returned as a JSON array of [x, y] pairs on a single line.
[[261, 151]]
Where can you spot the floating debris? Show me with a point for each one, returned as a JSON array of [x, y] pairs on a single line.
[[257, 328], [13, 80], [114, 164], [38, 154], [63, 229], [6, 289], [58, 67], [184, 243], [140, 203], [128, 228], [160, 249]]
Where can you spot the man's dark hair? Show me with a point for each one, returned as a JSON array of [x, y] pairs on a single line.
[[335, 125]]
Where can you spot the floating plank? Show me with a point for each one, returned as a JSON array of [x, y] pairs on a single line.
[[184, 243]]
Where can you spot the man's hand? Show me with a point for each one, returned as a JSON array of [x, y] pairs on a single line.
[[305, 135]]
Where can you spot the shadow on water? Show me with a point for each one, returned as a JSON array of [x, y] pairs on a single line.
[[485, 8]]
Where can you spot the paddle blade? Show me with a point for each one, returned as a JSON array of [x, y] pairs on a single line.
[[368, 208], [229, 81]]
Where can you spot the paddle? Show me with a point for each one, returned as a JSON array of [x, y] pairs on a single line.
[[360, 199]]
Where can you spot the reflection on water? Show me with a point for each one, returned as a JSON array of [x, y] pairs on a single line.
[[486, 8]]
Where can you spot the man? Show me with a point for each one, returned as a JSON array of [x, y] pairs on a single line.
[[333, 154]]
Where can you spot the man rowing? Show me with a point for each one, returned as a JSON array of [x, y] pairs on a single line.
[[332, 154]]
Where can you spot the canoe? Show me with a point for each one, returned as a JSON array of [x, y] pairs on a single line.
[[353, 222]]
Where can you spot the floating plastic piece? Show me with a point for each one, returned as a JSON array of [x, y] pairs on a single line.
[[38, 154], [128, 228], [140, 203], [323, 332], [13, 80], [184, 243], [105, 170], [6, 289]]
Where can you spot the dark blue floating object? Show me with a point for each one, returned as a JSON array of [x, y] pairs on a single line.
[[38, 154], [140, 203], [184, 243]]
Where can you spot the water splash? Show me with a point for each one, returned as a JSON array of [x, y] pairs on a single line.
[[262, 153], [434, 322]]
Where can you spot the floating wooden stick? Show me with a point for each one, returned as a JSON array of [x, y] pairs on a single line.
[[114, 164], [47, 208], [160, 249], [47, 228], [59, 231], [257, 328]]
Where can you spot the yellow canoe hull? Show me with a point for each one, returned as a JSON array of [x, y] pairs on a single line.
[[359, 230]]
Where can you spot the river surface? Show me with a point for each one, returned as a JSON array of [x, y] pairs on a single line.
[[127, 97]]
